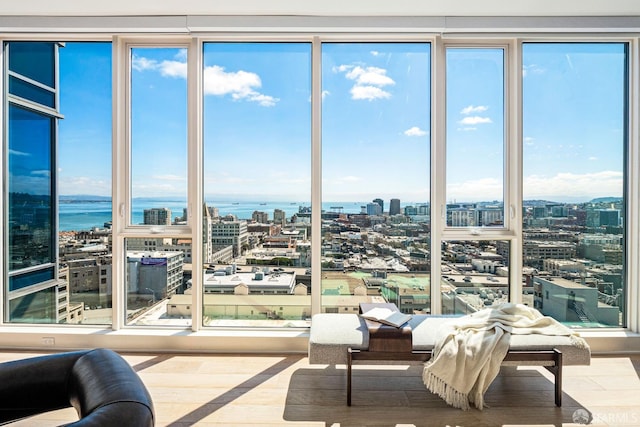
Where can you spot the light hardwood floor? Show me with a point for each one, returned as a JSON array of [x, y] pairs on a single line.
[[284, 390]]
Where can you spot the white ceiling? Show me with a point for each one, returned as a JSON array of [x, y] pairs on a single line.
[[321, 7]]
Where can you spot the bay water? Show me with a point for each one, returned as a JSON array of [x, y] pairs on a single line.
[[85, 214]]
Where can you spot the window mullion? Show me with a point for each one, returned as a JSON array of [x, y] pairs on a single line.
[[438, 170], [633, 189], [316, 175], [195, 185], [513, 165], [120, 177]]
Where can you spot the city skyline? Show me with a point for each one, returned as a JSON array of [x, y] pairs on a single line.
[[561, 164]]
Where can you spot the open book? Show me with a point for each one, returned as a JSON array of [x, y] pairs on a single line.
[[387, 316]]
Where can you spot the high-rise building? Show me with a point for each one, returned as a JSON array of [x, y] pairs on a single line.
[[609, 217], [279, 217], [394, 207], [374, 209], [539, 211], [158, 273], [410, 210], [461, 217], [213, 211], [259, 216], [157, 216], [381, 203], [488, 216], [230, 233]]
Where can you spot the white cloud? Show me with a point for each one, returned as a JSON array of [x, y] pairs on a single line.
[[593, 158], [529, 140], [240, 85], [42, 172], [139, 63], [375, 53], [370, 76], [176, 68], [369, 81], [474, 120], [341, 68], [368, 92], [415, 131], [474, 109], [565, 186], [560, 187], [182, 55]]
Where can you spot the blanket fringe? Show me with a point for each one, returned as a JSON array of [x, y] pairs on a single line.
[[450, 395]]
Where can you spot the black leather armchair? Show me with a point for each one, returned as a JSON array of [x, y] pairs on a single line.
[[99, 384]]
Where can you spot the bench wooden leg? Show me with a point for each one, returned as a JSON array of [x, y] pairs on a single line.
[[349, 363], [556, 370]]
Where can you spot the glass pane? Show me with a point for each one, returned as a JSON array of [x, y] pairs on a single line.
[[475, 137], [31, 208], [375, 171], [81, 292], [475, 275], [31, 92], [574, 134], [84, 179], [158, 135], [32, 292], [34, 60], [257, 184], [24, 280], [35, 307], [158, 274]]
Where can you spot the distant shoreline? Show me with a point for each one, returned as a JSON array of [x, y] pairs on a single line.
[[81, 213]]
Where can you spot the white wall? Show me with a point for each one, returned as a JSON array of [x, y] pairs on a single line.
[[322, 8]]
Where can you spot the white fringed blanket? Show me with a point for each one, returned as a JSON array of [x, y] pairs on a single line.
[[470, 349]]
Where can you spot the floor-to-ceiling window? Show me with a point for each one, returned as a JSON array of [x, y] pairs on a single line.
[[84, 181], [376, 140], [574, 154], [157, 265], [475, 268], [248, 125], [256, 184]]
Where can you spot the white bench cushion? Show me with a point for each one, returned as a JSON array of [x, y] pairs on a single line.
[[332, 334]]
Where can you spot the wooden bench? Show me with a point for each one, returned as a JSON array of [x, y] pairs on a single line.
[[344, 338]]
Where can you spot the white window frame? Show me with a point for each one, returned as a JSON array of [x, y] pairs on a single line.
[[441, 32]]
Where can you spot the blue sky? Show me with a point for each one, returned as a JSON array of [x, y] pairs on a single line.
[[475, 124], [573, 120], [375, 127], [159, 122]]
